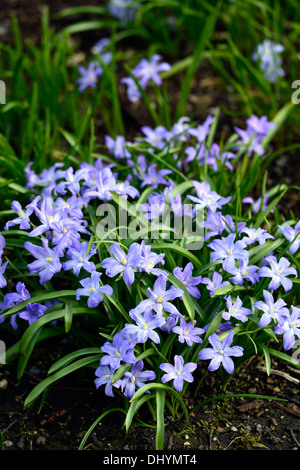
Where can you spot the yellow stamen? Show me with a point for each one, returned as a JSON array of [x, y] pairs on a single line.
[[221, 351], [117, 354], [145, 325], [20, 213], [159, 299], [48, 259]]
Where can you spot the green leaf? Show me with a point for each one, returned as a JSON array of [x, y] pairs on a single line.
[[23, 360], [64, 361], [177, 249], [259, 252], [204, 36], [125, 367], [267, 359], [270, 207], [48, 318], [87, 434], [145, 388], [133, 409], [284, 357], [38, 389], [41, 298], [160, 426], [278, 120], [68, 316], [187, 300]]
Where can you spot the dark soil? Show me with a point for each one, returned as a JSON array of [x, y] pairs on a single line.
[[73, 404]]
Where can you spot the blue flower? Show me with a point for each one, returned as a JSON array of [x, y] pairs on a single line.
[[47, 261], [135, 378], [267, 55], [79, 258], [185, 276], [14, 298], [145, 326], [206, 198], [159, 298], [278, 273], [228, 250], [150, 259], [215, 283], [154, 178], [201, 131], [117, 351], [187, 332], [32, 312], [105, 375], [3, 281], [179, 373], [122, 263], [220, 353], [289, 326], [292, 235], [171, 321], [272, 310], [256, 235], [92, 289], [23, 219], [242, 272], [236, 310], [48, 215], [117, 147], [89, 76]]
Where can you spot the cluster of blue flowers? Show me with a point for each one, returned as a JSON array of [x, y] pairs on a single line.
[[267, 55], [55, 219]]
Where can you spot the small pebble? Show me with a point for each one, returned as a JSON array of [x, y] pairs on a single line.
[[3, 384], [41, 440], [7, 443], [21, 442], [234, 429]]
